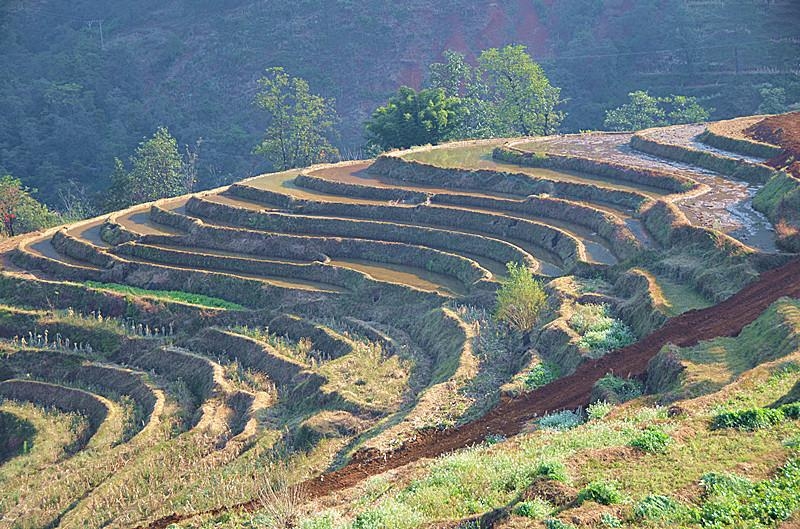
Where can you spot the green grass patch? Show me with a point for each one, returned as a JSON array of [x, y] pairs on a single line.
[[600, 332], [652, 440], [602, 492], [170, 295]]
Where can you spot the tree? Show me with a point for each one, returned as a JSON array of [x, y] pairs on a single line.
[[520, 298], [526, 101], [413, 118], [19, 211], [156, 171], [299, 122], [683, 109], [641, 112], [644, 111], [478, 116]]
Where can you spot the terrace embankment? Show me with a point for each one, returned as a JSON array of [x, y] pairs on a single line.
[[510, 416]]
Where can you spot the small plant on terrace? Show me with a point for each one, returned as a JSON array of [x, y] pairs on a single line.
[[520, 298]]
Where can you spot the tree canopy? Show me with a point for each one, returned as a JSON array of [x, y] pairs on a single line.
[[643, 111], [19, 211], [300, 123], [526, 101], [157, 170], [414, 118]]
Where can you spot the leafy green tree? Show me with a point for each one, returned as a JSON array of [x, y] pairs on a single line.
[[157, 170], [643, 111], [683, 109], [299, 123], [773, 99], [19, 211], [478, 116], [526, 101], [414, 118], [520, 298]]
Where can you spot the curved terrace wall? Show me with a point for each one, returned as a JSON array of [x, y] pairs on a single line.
[[636, 175], [394, 166]]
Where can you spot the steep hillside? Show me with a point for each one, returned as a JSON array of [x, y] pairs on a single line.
[[250, 355]]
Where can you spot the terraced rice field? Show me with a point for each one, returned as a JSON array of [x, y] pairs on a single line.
[[333, 313]]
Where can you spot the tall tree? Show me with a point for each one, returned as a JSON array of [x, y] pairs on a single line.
[[19, 211], [413, 118], [478, 117], [299, 123], [526, 101], [156, 171]]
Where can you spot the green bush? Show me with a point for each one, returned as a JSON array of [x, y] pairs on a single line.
[[537, 509], [609, 520], [651, 440], [520, 298], [554, 470], [731, 500], [614, 388], [749, 419], [562, 420], [656, 507], [603, 492], [598, 410], [541, 374], [791, 411], [600, 331], [554, 523]]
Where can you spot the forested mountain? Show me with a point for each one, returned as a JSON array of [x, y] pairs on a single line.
[[83, 82]]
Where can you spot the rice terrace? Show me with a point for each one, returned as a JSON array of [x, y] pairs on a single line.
[[328, 329]]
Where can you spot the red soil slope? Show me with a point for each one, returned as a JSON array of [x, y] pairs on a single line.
[[510, 415], [782, 130]]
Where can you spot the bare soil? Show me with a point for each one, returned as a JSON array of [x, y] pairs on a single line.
[[782, 130]]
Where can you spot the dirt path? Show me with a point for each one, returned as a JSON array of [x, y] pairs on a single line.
[[510, 415]]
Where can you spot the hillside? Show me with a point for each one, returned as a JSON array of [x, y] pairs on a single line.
[[85, 84], [316, 348]]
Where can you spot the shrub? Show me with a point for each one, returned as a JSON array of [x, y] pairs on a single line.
[[609, 520], [520, 298], [616, 389], [598, 410], [536, 508], [651, 440], [603, 492], [749, 419], [554, 470], [734, 501], [600, 331], [656, 507], [562, 420], [541, 375], [554, 523], [791, 411]]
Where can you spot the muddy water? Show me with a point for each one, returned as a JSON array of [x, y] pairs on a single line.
[[89, 232]]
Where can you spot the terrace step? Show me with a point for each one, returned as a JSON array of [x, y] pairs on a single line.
[[355, 178], [104, 417], [484, 247], [109, 381]]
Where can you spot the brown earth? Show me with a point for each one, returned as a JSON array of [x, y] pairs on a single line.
[[511, 414], [782, 130]]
